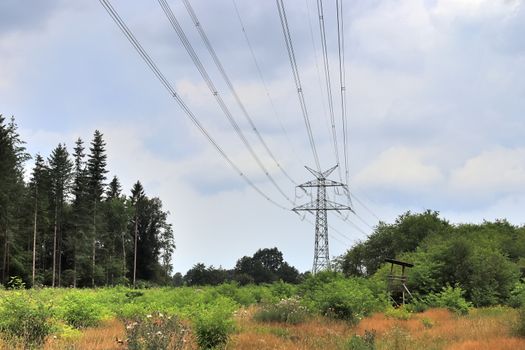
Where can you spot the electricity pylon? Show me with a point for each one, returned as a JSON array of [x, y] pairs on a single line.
[[320, 206]]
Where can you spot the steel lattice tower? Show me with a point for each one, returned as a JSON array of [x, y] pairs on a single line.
[[320, 206]]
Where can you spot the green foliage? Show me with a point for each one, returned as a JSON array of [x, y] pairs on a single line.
[[427, 322], [365, 342], [400, 313], [517, 295], [286, 311], [348, 299], [80, 311], [520, 326], [450, 298], [24, 319], [155, 332], [213, 328]]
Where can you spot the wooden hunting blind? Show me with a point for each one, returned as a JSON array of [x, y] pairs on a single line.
[[397, 282]]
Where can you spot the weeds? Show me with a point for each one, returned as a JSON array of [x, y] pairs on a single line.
[[156, 332], [24, 320], [287, 311], [365, 342]]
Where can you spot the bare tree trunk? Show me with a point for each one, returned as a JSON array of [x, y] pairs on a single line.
[[6, 246], [55, 245], [135, 252], [93, 262], [123, 255], [34, 239]]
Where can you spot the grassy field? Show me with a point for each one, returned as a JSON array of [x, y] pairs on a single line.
[[338, 314], [482, 329]]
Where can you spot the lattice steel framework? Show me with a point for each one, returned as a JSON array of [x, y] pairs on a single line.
[[321, 205]]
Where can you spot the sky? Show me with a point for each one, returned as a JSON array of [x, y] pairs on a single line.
[[434, 111]]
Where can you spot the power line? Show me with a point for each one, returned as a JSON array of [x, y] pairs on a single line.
[[342, 80], [326, 64], [263, 81], [160, 76], [232, 89], [318, 71], [297, 79], [200, 67]]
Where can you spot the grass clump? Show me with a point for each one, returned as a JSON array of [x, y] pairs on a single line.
[[286, 311], [156, 332], [24, 320]]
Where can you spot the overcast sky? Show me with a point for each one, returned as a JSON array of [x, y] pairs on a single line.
[[435, 94]]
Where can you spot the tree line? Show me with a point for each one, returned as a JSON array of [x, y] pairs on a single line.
[[486, 260], [66, 225], [264, 266]]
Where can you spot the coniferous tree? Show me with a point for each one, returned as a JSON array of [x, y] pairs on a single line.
[[38, 189], [12, 158], [78, 243], [96, 172], [60, 171], [136, 199], [115, 240]]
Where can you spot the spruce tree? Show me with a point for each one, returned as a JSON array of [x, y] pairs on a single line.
[[78, 245], [60, 171], [12, 191], [137, 198], [96, 172]]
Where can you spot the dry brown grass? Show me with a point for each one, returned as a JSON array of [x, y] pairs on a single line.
[[443, 331], [103, 337]]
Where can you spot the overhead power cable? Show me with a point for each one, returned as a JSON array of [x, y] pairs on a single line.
[[200, 67], [318, 70], [167, 85], [297, 79], [342, 81], [232, 89], [326, 64], [263, 81]]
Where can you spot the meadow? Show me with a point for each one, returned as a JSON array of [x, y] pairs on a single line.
[[325, 312]]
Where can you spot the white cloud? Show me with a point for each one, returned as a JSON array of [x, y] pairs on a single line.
[[498, 171], [400, 168], [474, 9]]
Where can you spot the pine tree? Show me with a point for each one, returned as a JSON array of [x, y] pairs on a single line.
[[60, 171], [137, 198], [96, 170], [12, 190]]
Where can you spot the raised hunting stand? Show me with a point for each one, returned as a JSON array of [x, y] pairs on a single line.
[[402, 279]]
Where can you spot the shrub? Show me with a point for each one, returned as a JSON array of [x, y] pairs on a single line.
[[212, 328], [400, 313], [346, 299], [427, 322], [287, 311], [80, 311], [155, 332], [24, 320], [365, 342], [520, 326], [517, 295], [450, 298]]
